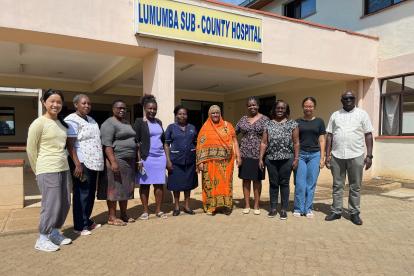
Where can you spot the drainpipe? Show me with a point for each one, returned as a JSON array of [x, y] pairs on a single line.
[[360, 93]]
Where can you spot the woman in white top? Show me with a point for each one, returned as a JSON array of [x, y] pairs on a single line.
[[85, 150]]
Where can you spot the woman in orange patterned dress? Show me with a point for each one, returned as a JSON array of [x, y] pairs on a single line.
[[217, 148]]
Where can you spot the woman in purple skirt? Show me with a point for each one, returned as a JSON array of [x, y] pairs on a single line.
[[152, 161]]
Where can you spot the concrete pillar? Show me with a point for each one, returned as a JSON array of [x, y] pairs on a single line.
[[371, 104], [371, 101], [159, 76]]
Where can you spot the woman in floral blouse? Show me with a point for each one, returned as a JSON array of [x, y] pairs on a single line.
[[280, 142], [251, 127], [85, 149]]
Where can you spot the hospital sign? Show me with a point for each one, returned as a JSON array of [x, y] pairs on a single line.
[[187, 22]]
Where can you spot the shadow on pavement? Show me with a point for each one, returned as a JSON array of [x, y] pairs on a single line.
[[322, 207]]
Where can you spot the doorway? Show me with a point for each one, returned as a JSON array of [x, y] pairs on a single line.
[[198, 111]]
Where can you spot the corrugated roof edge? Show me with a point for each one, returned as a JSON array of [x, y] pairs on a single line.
[[292, 19]]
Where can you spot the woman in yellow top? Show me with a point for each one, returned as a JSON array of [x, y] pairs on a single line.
[[46, 151], [217, 147]]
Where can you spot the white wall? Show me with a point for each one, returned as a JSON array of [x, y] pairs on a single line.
[[393, 26], [394, 157]]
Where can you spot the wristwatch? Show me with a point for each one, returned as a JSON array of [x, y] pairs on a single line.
[[370, 156]]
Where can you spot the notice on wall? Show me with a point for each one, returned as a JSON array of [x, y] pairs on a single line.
[[187, 22]]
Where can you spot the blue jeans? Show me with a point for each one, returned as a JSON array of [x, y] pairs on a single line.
[[306, 176]]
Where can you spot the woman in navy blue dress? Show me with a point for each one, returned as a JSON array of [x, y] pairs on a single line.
[[180, 139]]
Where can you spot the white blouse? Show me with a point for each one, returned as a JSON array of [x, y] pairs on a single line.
[[88, 141]]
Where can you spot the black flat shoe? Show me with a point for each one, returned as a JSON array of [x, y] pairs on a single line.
[[227, 211], [356, 219], [272, 214], [176, 212], [189, 211], [332, 216], [283, 215]]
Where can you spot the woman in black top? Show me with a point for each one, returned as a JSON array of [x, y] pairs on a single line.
[[280, 142], [152, 161], [311, 158]]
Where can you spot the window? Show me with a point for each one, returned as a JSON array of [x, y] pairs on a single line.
[[300, 8], [397, 104], [7, 121], [372, 6]]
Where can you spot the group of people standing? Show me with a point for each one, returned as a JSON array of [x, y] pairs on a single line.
[[116, 157]]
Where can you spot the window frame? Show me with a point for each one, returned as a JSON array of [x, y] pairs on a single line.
[[299, 3], [366, 5], [401, 95]]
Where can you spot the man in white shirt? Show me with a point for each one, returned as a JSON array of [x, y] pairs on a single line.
[[348, 131]]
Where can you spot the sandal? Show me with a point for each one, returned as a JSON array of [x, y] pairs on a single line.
[[117, 222], [128, 220], [144, 216], [161, 215]]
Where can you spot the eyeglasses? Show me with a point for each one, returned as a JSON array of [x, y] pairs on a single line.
[[121, 108], [348, 98]]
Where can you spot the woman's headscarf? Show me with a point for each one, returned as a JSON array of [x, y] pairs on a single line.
[[215, 142], [214, 108]]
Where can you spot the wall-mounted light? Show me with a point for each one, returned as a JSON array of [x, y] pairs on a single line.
[[185, 67], [254, 75], [210, 87], [22, 68]]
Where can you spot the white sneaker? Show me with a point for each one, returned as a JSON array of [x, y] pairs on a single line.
[[94, 226], [310, 215], [84, 232], [246, 211], [46, 245], [296, 214], [256, 212], [57, 238]]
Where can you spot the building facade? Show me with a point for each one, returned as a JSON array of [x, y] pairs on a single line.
[[197, 53], [391, 22]]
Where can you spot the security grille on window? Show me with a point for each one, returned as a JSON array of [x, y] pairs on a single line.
[[7, 121], [300, 8], [397, 103], [372, 6]]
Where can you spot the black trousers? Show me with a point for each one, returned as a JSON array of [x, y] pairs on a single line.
[[279, 176], [83, 198]]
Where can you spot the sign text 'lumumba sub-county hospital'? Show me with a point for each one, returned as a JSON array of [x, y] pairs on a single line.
[[181, 21]]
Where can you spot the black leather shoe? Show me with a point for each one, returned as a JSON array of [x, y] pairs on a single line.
[[176, 212], [272, 214], [189, 211], [332, 216], [356, 219]]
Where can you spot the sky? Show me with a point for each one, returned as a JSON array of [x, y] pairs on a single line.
[[235, 2]]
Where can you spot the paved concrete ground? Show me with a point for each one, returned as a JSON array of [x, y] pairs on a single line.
[[234, 245]]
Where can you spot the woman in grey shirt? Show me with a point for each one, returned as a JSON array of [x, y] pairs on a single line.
[[118, 139]]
